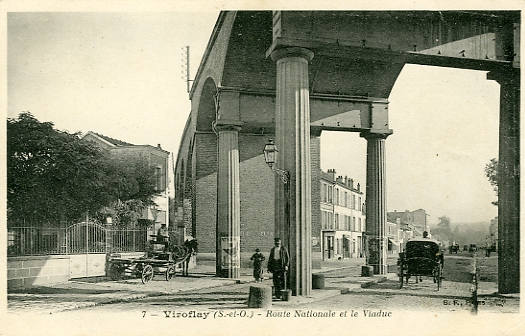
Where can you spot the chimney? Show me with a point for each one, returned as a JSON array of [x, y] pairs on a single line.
[[331, 173], [351, 183], [358, 187], [339, 179], [158, 145]]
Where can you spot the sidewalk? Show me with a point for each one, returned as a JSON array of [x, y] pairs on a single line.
[[88, 292]]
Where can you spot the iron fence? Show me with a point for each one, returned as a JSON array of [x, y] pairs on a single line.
[[74, 239], [127, 240]]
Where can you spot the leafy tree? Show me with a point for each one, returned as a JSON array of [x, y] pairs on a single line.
[[131, 178], [444, 223], [491, 171], [443, 228], [52, 175]]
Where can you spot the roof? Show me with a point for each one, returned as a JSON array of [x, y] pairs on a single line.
[[120, 143], [419, 239], [114, 142]]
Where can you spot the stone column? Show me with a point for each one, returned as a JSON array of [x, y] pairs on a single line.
[[509, 181], [228, 201], [376, 201], [292, 133]]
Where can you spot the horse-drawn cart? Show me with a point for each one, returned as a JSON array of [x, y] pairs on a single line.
[[422, 257], [161, 258]]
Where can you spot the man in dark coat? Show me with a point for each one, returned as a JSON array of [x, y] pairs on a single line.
[[278, 264]]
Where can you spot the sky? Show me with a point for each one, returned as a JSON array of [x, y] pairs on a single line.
[[120, 74]]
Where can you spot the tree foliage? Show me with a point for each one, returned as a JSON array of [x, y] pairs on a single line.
[[491, 171], [51, 175], [54, 176], [443, 228]]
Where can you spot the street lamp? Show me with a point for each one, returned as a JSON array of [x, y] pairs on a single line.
[[270, 156]]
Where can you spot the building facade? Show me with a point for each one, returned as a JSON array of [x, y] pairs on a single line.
[[342, 217], [157, 158], [417, 220]]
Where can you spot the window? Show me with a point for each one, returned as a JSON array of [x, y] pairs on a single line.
[[360, 226], [353, 202], [158, 178], [330, 193], [337, 221], [346, 200], [360, 206]]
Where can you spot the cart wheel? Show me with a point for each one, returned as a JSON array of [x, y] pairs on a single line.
[[147, 274], [115, 272], [170, 272]]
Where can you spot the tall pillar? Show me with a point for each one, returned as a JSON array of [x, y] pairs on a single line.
[[509, 181], [228, 258], [292, 133], [377, 240]]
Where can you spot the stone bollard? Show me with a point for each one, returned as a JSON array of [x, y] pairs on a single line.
[[286, 294], [317, 281], [367, 271], [474, 278], [260, 297]]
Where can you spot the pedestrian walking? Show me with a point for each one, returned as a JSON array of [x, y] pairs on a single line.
[[258, 259], [278, 264]]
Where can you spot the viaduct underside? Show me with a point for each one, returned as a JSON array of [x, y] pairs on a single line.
[[289, 75]]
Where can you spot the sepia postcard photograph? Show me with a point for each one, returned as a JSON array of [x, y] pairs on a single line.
[[261, 168]]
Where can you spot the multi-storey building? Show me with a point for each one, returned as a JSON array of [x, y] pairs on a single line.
[[342, 217], [156, 158], [417, 220]]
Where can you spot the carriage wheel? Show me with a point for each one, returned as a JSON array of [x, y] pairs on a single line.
[[115, 272], [170, 272], [147, 274]]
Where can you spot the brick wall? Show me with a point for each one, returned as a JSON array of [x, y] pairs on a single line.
[[315, 155], [257, 194], [205, 206]]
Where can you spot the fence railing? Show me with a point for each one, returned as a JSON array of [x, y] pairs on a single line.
[[75, 239]]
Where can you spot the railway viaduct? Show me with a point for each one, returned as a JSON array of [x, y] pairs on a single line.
[[289, 75]]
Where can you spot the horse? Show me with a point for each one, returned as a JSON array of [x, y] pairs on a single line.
[[191, 250]]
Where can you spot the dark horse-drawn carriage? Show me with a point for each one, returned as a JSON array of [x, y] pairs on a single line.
[[160, 258], [422, 257]]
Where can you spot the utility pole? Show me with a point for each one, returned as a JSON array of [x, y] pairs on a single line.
[[186, 67]]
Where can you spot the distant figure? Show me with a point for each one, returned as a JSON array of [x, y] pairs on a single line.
[[425, 234], [162, 234], [278, 264], [258, 259], [191, 249]]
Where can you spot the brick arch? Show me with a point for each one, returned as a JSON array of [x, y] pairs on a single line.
[[206, 110]]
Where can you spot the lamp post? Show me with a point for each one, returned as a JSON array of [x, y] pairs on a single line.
[[270, 156]]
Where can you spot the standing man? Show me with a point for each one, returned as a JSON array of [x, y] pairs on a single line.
[[278, 264]]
